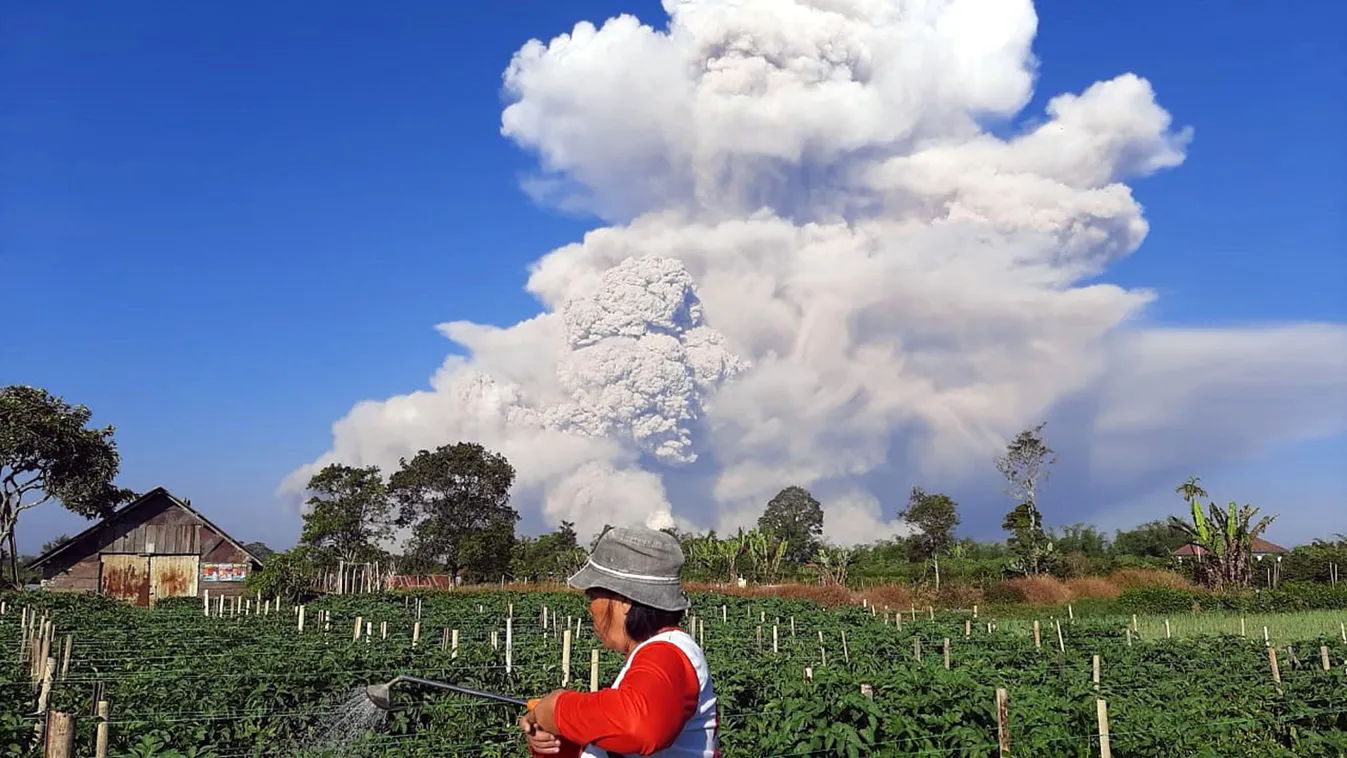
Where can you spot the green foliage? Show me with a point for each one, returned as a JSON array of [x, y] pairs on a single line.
[[1156, 600], [795, 517], [552, 556], [48, 453], [184, 685], [1226, 535], [288, 575], [350, 515], [936, 515], [456, 499]]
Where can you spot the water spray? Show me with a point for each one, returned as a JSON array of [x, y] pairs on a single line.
[[381, 694]]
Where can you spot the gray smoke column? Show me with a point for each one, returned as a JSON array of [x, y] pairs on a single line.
[[824, 267]]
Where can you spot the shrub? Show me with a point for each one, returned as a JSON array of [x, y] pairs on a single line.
[[958, 596], [1137, 578], [1092, 587], [1156, 600], [890, 596], [1042, 590]]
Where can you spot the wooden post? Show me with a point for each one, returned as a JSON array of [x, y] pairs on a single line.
[[1272, 660], [566, 658], [724, 617], [1135, 628], [205, 602], [1070, 612], [1168, 632], [868, 691], [792, 627], [1129, 636], [300, 627], [947, 653], [1241, 627], [101, 733], [1002, 721], [916, 649], [594, 670], [1038, 640], [509, 644], [65, 656], [60, 735], [775, 649], [416, 633], [453, 644], [355, 634], [1323, 657], [1096, 672], [1061, 644], [1105, 751], [383, 630], [846, 655], [931, 611], [760, 637], [967, 628], [975, 611]]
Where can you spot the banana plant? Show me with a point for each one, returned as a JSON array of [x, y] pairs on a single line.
[[1226, 535]]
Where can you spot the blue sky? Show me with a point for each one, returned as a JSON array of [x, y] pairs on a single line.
[[224, 225]]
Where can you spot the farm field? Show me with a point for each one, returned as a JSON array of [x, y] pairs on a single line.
[[789, 675]]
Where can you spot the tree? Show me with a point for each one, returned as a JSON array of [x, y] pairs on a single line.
[[47, 453], [1027, 460], [555, 555], [797, 518], [936, 515], [456, 500], [53, 543], [1153, 539], [350, 514], [259, 549]]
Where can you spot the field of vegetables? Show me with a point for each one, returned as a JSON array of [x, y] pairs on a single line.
[[794, 679]]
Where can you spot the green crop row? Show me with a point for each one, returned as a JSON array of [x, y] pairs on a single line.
[[180, 683]]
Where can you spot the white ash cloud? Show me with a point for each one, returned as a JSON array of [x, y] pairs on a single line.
[[823, 268]]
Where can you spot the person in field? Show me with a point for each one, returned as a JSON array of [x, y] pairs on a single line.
[[662, 702]]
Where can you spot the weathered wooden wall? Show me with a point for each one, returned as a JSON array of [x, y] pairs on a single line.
[[116, 558]]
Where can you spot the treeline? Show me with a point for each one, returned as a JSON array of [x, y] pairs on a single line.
[[448, 511]]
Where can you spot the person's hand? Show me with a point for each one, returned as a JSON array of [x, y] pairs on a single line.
[[540, 742]]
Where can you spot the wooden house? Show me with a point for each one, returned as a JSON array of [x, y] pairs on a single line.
[[155, 547]]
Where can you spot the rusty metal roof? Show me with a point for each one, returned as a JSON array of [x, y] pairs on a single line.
[[133, 505]]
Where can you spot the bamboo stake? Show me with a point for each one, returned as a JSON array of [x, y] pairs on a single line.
[[947, 653], [509, 644], [1003, 721], [594, 670], [416, 633], [1096, 672], [566, 658], [101, 733], [65, 656], [1038, 640], [1105, 750], [1272, 660], [1061, 644], [1323, 657], [453, 644]]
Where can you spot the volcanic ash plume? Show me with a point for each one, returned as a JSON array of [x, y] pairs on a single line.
[[839, 256]]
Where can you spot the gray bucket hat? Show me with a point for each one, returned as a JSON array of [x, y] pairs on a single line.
[[638, 563]]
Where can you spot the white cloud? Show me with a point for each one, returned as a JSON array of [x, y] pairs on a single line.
[[822, 268]]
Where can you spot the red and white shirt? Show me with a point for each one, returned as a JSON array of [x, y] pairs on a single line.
[[661, 704]]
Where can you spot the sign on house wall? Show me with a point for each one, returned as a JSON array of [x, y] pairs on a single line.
[[224, 572]]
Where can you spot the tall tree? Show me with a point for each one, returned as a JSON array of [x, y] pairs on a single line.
[[456, 500], [350, 514], [48, 453], [1027, 462], [796, 517], [936, 515]]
